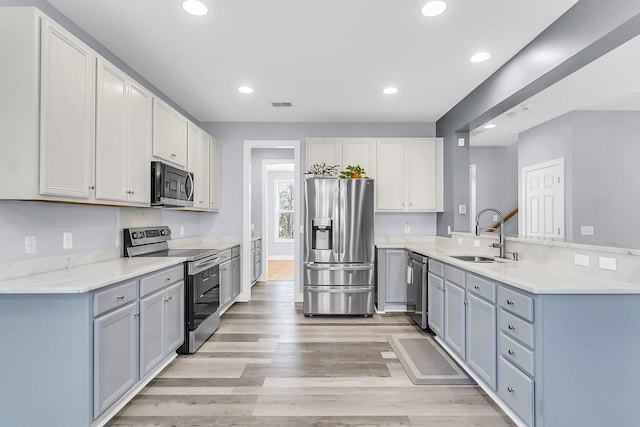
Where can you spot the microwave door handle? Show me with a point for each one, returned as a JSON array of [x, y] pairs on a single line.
[[190, 178]]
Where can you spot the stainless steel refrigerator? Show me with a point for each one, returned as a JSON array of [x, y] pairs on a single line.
[[339, 249]]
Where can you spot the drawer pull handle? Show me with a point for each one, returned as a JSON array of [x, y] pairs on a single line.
[[511, 352], [510, 302], [136, 314], [511, 327], [167, 279], [511, 389], [476, 287], [121, 296]]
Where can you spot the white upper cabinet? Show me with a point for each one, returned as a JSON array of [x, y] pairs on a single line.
[[123, 137], [343, 152], [214, 174], [199, 158], [410, 175], [169, 134], [67, 111]]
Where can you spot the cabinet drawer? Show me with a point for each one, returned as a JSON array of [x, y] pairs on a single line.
[[258, 243], [454, 275], [516, 390], [482, 287], [224, 255], [436, 267], [516, 353], [159, 280], [235, 251], [258, 251], [117, 296], [517, 328], [516, 302]]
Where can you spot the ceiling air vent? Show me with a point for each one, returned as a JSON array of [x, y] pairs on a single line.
[[281, 104]]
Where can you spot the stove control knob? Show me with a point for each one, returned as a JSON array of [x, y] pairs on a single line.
[[141, 234], [163, 232], [134, 234]]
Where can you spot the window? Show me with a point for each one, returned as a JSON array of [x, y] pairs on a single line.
[[283, 209]]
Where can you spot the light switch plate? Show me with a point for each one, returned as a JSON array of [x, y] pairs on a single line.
[[606, 263], [462, 209], [460, 142], [67, 240], [407, 228], [449, 229], [476, 243]]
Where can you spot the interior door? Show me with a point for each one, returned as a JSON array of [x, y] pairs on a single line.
[[544, 199]]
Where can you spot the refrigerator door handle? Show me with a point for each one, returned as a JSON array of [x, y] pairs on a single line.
[[339, 267], [325, 289]]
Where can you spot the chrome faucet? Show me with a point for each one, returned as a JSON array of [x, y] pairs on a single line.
[[501, 242]]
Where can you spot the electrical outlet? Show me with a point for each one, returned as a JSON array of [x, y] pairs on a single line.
[[67, 240], [460, 142], [495, 218], [580, 259], [407, 228], [607, 263], [462, 209], [586, 230], [30, 244], [460, 241], [181, 231], [448, 229], [476, 243]]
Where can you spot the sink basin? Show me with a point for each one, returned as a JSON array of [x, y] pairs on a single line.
[[473, 258]]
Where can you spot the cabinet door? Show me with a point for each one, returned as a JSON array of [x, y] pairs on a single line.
[[360, 151], [214, 175], [396, 276], [174, 300], [324, 150], [152, 332], [454, 318], [390, 183], [435, 304], [140, 139], [115, 355], [199, 160], [169, 134], [235, 274], [481, 338], [422, 175], [67, 114], [111, 133], [226, 283]]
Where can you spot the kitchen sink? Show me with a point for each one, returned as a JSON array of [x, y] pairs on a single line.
[[473, 258]]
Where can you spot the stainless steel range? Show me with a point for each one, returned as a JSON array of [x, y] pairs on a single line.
[[202, 290]]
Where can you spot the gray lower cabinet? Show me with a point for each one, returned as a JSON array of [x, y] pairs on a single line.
[[455, 310], [161, 326], [392, 280], [236, 272], [115, 368], [481, 338], [226, 283]]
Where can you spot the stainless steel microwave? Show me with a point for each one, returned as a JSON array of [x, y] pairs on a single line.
[[170, 186]]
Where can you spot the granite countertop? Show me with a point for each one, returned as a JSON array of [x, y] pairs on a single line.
[[528, 276], [88, 277]]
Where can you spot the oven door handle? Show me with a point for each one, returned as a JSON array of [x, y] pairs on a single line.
[[198, 267]]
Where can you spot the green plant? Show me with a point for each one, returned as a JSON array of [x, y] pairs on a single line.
[[351, 171], [322, 169]]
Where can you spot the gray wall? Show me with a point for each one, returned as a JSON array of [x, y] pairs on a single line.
[[233, 134], [584, 33], [601, 152], [496, 182]]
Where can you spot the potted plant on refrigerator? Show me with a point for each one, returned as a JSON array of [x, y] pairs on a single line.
[[354, 172], [322, 169]]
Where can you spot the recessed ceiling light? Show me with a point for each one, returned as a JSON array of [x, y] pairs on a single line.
[[245, 89], [390, 90], [433, 8], [195, 7], [480, 57], [489, 126]]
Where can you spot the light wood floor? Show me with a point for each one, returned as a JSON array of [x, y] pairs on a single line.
[[280, 270], [269, 365]]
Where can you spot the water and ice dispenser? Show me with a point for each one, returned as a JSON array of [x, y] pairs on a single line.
[[322, 236]]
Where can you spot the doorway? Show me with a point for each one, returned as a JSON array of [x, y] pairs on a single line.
[[253, 153], [278, 221]]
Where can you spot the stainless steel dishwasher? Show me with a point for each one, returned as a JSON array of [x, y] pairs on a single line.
[[417, 288]]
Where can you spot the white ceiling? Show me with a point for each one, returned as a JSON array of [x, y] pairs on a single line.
[[329, 58], [611, 82]]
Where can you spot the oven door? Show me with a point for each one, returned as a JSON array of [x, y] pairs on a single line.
[[204, 298]]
